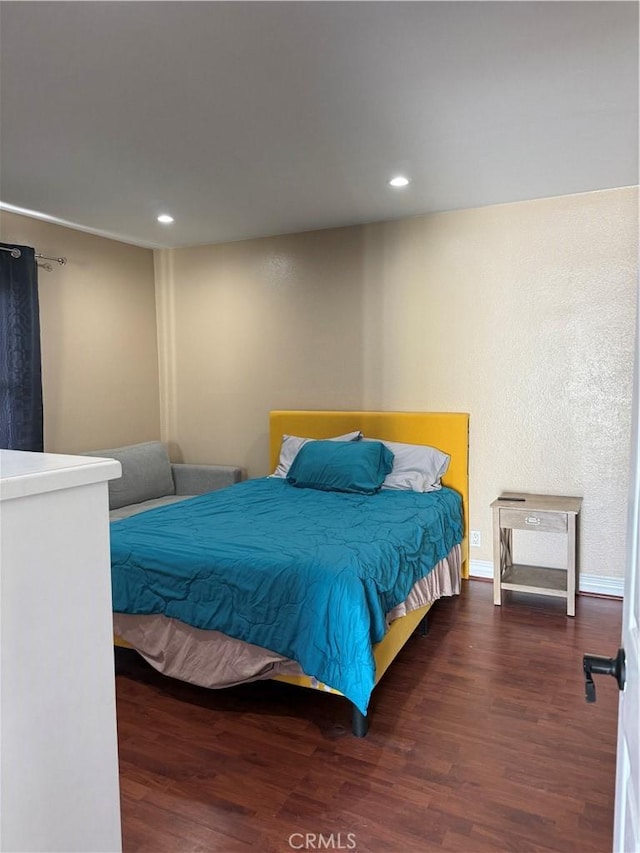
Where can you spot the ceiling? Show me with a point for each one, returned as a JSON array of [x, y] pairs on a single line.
[[245, 119]]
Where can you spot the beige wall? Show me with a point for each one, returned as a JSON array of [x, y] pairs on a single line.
[[98, 331], [520, 314], [252, 326]]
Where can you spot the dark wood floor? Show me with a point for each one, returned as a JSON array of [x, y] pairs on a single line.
[[480, 740]]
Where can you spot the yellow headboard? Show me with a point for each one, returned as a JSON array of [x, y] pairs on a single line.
[[448, 431]]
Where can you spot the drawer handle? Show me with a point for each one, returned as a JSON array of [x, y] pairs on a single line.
[[531, 519]]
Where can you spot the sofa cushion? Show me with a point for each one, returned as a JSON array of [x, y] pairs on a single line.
[[146, 473], [134, 509]]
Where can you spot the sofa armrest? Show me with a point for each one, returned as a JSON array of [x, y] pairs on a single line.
[[198, 479]]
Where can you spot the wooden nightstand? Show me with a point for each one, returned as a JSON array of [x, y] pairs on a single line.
[[544, 514]]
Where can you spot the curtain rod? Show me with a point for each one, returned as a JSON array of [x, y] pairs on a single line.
[[16, 253]]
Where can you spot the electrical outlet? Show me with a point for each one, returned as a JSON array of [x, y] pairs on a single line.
[[476, 539]]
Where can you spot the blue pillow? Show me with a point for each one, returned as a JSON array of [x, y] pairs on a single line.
[[341, 466]]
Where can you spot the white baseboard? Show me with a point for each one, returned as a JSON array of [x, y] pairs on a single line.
[[602, 585], [481, 569], [588, 583]]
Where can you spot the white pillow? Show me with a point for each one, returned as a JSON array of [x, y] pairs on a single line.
[[291, 444], [416, 467]]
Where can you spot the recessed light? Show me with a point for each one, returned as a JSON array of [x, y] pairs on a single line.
[[399, 181], [165, 219]]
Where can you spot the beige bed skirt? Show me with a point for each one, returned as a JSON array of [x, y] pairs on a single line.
[[211, 659]]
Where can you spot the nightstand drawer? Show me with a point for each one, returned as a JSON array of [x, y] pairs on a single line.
[[523, 519]]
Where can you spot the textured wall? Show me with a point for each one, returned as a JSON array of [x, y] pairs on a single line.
[[252, 326], [522, 315], [99, 343]]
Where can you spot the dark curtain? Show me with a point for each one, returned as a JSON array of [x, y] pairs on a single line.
[[20, 371]]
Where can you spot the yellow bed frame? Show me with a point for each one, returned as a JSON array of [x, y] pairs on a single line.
[[448, 431]]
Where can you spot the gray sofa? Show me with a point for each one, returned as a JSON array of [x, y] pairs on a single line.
[[150, 480]]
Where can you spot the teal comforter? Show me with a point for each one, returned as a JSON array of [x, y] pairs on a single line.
[[305, 573]]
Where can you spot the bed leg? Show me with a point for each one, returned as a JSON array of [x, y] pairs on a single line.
[[424, 625], [359, 723], [118, 659]]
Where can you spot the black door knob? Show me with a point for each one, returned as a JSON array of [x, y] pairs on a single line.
[[595, 665]]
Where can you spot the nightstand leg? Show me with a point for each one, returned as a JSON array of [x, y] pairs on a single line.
[[571, 564], [497, 560]]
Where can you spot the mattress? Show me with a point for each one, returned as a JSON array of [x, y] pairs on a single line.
[[211, 659], [310, 575]]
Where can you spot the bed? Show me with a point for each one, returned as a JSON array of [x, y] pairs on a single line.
[[347, 656]]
